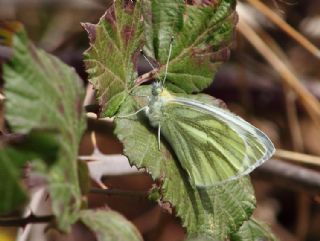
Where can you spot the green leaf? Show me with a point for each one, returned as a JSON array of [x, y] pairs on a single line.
[[44, 93], [110, 226], [113, 42], [253, 230], [216, 212], [12, 192], [15, 152], [43, 145], [202, 34], [114, 104]]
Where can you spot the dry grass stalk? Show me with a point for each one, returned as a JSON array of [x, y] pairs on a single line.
[[310, 103], [269, 13]]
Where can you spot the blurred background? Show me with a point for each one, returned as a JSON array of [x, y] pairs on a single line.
[[274, 84]]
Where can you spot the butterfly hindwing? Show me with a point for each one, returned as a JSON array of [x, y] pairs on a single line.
[[212, 144]]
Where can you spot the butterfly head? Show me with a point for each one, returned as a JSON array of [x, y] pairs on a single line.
[[157, 88]]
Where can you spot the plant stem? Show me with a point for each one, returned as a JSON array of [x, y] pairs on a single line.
[[119, 192], [271, 15], [22, 222]]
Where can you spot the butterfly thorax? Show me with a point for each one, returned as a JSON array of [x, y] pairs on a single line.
[[158, 97]]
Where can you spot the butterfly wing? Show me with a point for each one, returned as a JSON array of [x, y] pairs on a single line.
[[212, 144]]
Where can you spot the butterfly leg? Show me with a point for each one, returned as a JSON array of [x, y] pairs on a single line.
[[159, 128], [141, 109]]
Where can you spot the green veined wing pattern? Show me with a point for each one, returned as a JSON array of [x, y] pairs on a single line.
[[212, 144]]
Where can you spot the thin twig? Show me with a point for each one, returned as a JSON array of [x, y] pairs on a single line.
[[290, 96], [310, 103], [293, 120], [297, 157], [22, 222], [146, 77], [264, 9], [118, 192], [290, 176]]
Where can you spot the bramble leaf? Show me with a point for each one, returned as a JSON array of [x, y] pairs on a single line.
[[114, 104], [45, 94], [202, 34], [113, 42], [253, 230], [215, 212], [109, 225]]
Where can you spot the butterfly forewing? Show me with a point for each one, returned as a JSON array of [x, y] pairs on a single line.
[[212, 144]]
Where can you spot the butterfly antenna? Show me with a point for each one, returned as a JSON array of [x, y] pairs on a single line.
[[167, 64], [145, 57], [159, 134]]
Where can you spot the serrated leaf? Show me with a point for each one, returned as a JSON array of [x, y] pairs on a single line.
[[114, 104], [214, 212], [253, 230], [202, 34], [44, 93], [109, 225], [113, 42]]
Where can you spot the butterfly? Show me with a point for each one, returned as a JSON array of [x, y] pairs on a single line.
[[212, 144]]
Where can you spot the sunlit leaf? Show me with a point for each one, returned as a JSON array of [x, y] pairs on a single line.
[[202, 34], [110, 58]]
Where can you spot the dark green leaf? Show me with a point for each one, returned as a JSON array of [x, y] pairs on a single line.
[[12, 192], [44, 93], [110, 226], [253, 230], [44, 145], [16, 151]]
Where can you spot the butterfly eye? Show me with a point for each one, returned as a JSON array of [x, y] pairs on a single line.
[[159, 90]]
